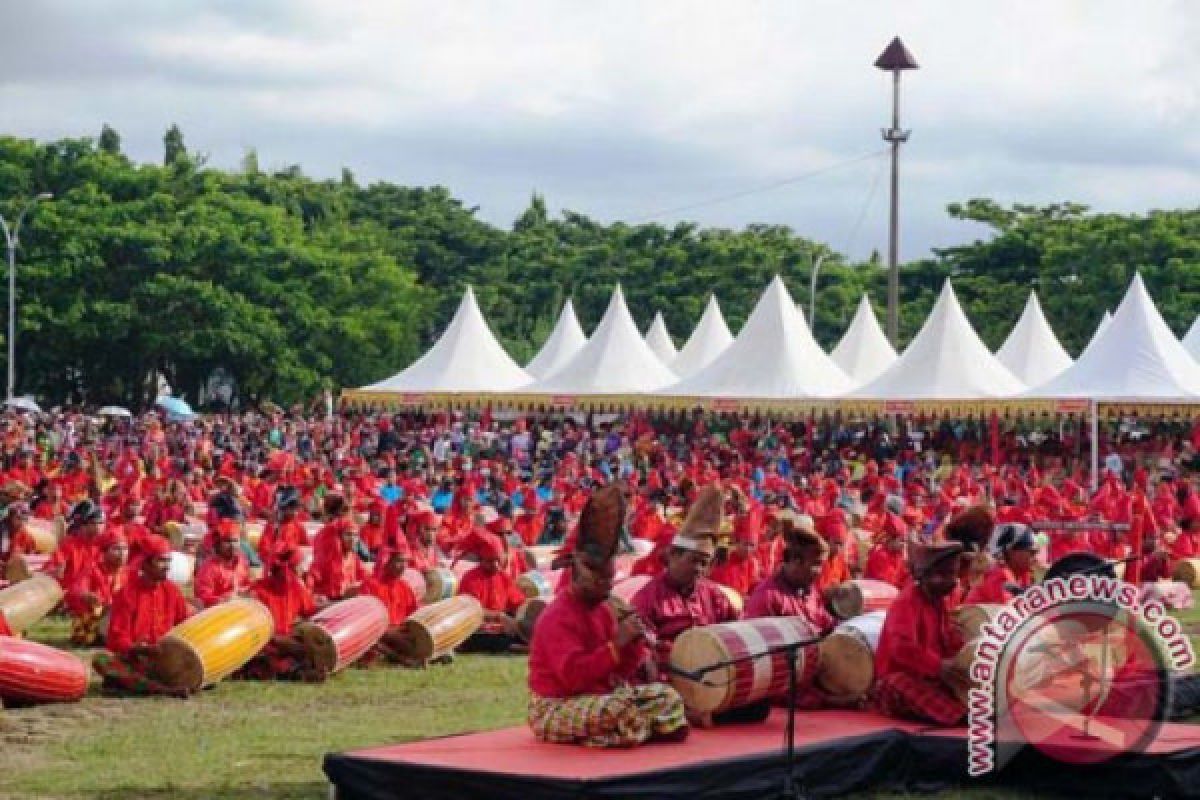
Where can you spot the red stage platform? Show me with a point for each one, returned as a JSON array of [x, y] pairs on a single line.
[[839, 752]]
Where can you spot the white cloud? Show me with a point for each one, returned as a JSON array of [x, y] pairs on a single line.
[[618, 109]]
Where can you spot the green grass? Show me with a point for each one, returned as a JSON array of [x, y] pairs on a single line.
[[266, 740]]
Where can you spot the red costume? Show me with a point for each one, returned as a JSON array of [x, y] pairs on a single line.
[[917, 636], [667, 613]]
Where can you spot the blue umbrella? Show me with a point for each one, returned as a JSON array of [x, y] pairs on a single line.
[[175, 407]]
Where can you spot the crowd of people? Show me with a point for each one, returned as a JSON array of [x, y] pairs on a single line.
[[722, 519]]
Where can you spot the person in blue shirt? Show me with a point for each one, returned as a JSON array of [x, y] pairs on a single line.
[[444, 495]]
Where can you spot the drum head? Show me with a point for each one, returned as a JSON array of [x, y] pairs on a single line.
[[527, 617], [847, 663], [845, 600], [695, 650], [971, 619], [17, 570], [422, 641], [1076, 563], [179, 665], [322, 650]]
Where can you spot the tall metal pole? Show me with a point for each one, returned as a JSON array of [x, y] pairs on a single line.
[[895, 59], [12, 238]]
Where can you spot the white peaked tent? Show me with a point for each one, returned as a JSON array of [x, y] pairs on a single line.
[[708, 340], [774, 356], [1136, 357], [864, 352], [1191, 340], [561, 345], [947, 360], [616, 360], [1105, 321], [467, 358], [659, 340], [1032, 352]]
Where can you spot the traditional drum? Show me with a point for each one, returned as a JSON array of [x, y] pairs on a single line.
[[440, 584], [46, 533], [213, 644], [183, 568], [527, 616], [543, 554], [848, 655], [34, 673], [185, 535], [854, 598], [964, 660], [751, 679], [970, 619], [342, 633], [23, 567], [1188, 571], [24, 603], [437, 629], [536, 584], [254, 531]]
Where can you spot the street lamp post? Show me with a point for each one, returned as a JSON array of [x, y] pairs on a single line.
[[12, 237]]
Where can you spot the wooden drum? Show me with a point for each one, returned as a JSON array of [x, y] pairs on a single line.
[[855, 598], [46, 533], [527, 617], [183, 568], [24, 604], [970, 619], [437, 629], [536, 584], [748, 681], [1188, 571], [34, 673], [440, 584], [848, 655], [342, 633], [213, 644]]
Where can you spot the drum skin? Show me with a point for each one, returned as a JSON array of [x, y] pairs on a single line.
[[970, 619], [46, 533], [342, 633], [527, 617], [24, 604], [210, 646], [439, 628], [749, 681], [1188, 571], [440, 584], [536, 583], [183, 568], [857, 597], [35, 673], [848, 655]]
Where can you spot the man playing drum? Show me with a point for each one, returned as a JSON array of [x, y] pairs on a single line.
[[496, 590], [682, 597], [143, 611], [225, 573], [388, 584], [584, 662], [91, 596], [914, 663], [288, 599]]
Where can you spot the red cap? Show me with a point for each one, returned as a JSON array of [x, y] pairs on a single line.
[[110, 539], [155, 547]]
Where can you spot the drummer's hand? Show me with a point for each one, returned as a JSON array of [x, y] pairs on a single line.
[[629, 630], [649, 670], [91, 599]]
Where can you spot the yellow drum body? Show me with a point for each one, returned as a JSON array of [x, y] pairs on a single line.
[[24, 604], [213, 644], [735, 598], [439, 628]]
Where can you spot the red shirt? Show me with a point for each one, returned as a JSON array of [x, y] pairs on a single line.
[[992, 588], [287, 598], [395, 593], [143, 612], [291, 532], [336, 574], [99, 580], [495, 591], [887, 566], [775, 598], [917, 635], [570, 654], [667, 613], [218, 580], [738, 572], [74, 555]]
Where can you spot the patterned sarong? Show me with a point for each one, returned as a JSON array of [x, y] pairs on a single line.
[[903, 696], [629, 716], [85, 627], [129, 672]]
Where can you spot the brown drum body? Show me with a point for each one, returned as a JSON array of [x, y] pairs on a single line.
[[24, 567], [527, 617], [970, 619], [342, 633], [1188, 571], [963, 661], [24, 604], [855, 598], [848, 655], [748, 681], [439, 628]]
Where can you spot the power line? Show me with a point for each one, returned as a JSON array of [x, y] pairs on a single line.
[[862, 214], [764, 188]]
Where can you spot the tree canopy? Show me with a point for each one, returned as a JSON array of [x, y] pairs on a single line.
[[291, 284]]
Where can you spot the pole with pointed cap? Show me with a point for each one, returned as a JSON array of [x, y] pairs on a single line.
[[895, 59]]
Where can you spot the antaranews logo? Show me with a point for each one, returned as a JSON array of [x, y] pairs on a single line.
[[1077, 667]]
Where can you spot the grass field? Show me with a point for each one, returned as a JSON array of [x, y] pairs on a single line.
[[254, 740]]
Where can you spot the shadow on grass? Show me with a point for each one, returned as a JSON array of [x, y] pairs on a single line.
[[316, 790]]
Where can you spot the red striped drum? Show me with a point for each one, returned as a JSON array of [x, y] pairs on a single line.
[[35, 673], [342, 633]]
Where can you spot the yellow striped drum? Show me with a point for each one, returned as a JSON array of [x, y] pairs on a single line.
[[214, 644], [439, 628], [440, 584], [25, 603]]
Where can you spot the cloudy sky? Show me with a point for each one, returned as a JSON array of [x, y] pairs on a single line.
[[722, 112]]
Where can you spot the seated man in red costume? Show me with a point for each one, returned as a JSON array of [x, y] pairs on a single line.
[[388, 584], [288, 599], [90, 597], [496, 590], [584, 663], [914, 662], [224, 573], [143, 611], [682, 597], [1015, 547]]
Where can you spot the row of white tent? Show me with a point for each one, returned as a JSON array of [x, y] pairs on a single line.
[[1132, 356]]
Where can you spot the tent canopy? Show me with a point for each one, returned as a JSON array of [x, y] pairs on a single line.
[[774, 356], [1134, 357], [467, 358], [1191, 340], [563, 343], [1032, 352], [863, 352], [708, 340], [658, 338], [616, 360], [946, 360]]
